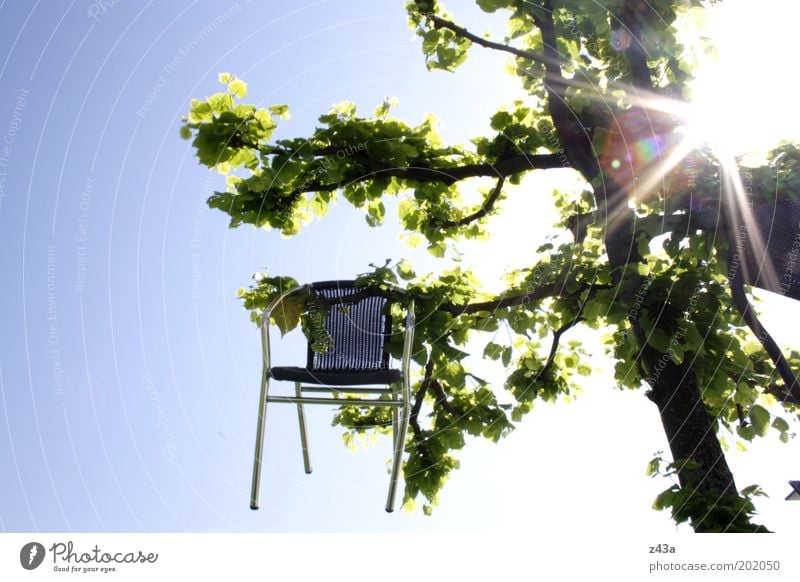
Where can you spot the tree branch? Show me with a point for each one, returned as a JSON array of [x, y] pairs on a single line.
[[419, 398], [464, 33], [579, 223], [688, 222], [541, 292], [632, 18], [441, 398], [506, 166], [571, 131], [740, 414], [557, 340], [731, 222], [485, 209], [537, 294], [782, 393], [740, 301], [792, 384], [552, 56]]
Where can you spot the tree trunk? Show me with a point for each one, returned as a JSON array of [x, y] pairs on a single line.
[[688, 427], [691, 436]]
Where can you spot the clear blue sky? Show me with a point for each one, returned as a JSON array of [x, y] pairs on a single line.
[[128, 370]]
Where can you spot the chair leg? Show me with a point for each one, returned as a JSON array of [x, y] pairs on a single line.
[[399, 442], [395, 418], [262, 415], [301, 417]]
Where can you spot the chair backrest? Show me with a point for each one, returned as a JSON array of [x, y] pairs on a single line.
[[359, 328]]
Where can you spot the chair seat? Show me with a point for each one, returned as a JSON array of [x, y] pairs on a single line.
[[335, 378]]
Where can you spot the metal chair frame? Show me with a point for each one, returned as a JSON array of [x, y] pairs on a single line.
[[400, 393]]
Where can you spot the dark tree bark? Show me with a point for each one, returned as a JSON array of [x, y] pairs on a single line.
[[690, 432]]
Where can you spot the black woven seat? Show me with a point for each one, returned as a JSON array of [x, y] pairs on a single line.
[[335, 377]]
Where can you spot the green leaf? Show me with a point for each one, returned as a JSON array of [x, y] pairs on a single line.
[[494, 5], [199, 111], [286, 314], [382, 110], [676, 354], [281, 111], [501, 120], [780, 424], [665, 499], [654, 466], [753, 491], [518, 26], [238, 88], [220, 102], [658, 340], [746, 432], [493, 351], [405, 271], [760, 417]]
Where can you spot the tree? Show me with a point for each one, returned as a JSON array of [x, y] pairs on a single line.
[[647, 250]]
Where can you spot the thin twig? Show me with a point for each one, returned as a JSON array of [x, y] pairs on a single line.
[[486, 208], [464, 33]]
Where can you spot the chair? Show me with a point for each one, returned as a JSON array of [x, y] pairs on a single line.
[[356, 362]]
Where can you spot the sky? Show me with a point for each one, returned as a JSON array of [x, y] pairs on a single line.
[[129, 372]]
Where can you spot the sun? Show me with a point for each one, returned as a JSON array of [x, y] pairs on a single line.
[[740, 104], [745, 87]]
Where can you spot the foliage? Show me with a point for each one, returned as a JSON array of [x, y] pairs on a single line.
[[649, 270], [709, 514]]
